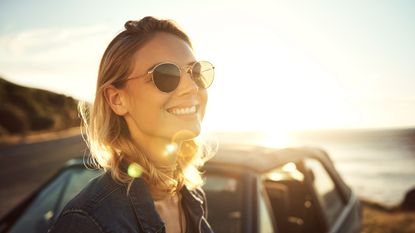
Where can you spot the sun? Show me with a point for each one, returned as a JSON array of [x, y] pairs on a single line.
[[275, 139]]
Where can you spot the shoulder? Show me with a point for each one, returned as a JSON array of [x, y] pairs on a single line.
[[77, 221], [96, 194], [98, 206]]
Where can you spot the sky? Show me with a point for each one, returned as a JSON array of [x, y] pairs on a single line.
[[280, 65]]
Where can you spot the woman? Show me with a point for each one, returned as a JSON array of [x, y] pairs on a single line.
[[149, 104]]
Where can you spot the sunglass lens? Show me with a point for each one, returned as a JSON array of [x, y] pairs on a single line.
[[166, 77], [203, 73]]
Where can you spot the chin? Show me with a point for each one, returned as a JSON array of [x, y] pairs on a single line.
[[184, 134]]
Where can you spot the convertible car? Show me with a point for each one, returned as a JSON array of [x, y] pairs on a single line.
[[249, 190]]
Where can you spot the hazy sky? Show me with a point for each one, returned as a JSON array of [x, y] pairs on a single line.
[[280, 65]]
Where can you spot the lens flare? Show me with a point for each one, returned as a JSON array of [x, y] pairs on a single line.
[[183, 135], [48, 216], [170, 149], [134, 170]]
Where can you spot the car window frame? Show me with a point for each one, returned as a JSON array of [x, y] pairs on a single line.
[[339, 186], [238, 174], [348, 197], [318, 208], [263, 193]]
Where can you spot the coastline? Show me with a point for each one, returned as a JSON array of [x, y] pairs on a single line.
[[381, 219]]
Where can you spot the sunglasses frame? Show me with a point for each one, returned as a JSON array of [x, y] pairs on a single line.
[[188, 69]]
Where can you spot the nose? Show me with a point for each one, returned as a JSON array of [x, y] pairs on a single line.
[[187, 85]]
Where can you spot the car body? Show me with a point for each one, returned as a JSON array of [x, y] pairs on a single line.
[[249, 189]]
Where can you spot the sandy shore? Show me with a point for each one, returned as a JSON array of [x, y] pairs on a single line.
[[378, 219]]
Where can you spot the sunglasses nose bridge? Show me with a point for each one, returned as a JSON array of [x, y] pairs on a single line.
[[187, 70], [187, 80]]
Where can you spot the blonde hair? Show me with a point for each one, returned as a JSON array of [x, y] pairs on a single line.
[[107, 134]]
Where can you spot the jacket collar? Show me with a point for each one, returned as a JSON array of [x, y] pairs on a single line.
[[145, 210]]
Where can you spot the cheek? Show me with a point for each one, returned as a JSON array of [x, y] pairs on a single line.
[[144, 105], [147, 107], [204, 99]]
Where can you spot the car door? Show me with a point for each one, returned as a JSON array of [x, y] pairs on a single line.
[[294, 208], [306, 196], [340, 211], [50, 200], [224, 198]]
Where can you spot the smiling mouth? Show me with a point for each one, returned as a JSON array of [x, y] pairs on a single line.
[[183, 111]]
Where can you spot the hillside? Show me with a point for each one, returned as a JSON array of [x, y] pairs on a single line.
[[25, 110]]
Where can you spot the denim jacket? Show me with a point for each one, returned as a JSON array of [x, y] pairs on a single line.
[[104, 206]]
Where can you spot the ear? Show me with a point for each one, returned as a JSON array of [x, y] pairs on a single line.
[[116, 100]]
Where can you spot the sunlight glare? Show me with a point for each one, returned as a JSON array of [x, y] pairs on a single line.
[[277, 176], [275, 139], [289, 167], [287, 172]]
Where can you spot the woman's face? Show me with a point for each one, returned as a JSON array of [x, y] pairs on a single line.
[[153, 113]]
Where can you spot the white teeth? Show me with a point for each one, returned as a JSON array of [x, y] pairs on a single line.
[[183, 111]]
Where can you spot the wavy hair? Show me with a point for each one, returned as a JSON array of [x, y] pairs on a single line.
[[107, 134]]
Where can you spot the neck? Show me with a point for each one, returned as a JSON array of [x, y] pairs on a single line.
[[160, 151]]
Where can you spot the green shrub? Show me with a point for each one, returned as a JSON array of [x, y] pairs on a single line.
[[41, 122], [13, 119], [3, 131], [29, 109]]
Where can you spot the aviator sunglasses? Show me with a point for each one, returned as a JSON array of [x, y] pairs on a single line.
[[166, 75]]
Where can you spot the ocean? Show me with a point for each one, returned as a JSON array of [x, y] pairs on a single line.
[[379, 165]]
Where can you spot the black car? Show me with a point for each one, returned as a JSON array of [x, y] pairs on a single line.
[[249, 189]]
